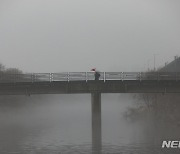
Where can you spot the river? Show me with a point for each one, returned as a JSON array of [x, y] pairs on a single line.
[[61, 124]]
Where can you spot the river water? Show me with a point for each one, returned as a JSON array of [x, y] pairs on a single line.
[[61, 124]]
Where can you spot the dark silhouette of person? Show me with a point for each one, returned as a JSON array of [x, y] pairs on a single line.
[[96, 74]]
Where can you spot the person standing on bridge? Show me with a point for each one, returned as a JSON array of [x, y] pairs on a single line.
[[96, 74]]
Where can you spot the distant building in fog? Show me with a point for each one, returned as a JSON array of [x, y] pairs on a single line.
[[173, 66]]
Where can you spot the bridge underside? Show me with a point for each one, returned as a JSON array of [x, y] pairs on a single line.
[[64, 87]]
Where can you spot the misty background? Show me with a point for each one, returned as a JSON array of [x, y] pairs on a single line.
[[76, 35], [55, 36]]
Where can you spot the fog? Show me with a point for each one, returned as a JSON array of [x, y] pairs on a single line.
[[43, 36], [55, 36], [62, 123]]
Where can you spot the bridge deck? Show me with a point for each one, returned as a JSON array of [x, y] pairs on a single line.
[[63, 87], [83, 82]]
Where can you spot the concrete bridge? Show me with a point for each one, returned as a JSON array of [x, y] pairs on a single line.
[[83, 82]]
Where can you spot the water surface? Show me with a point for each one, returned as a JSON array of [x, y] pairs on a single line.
[[62, 124]]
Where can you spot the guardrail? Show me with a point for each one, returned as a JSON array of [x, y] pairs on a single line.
[[87, 76]]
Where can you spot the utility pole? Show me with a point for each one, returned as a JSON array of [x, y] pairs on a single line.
[[155, 62], [148, 64]]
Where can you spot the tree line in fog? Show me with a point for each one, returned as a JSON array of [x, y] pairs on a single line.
[[161, 107], [13, 101], [5, 70]]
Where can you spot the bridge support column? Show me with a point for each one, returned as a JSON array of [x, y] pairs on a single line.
[[96, 123]]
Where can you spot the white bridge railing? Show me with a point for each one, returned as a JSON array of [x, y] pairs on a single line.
[[87, 76]]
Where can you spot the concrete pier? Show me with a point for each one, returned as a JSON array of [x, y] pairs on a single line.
[[96, 123]]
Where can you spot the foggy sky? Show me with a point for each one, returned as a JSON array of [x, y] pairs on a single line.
[[76, 35]]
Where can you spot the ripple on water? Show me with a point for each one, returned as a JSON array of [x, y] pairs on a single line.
[[87, 149]]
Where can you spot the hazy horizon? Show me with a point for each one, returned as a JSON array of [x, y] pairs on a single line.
[[55, 36]]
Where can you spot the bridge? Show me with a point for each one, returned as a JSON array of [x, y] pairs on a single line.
[[84, 82]]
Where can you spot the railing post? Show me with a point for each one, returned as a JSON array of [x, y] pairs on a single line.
[[35, 77], [86, 77], [104, 76], [68, 76], [51, 77], [122, 76]]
